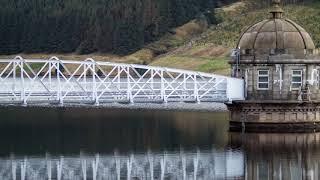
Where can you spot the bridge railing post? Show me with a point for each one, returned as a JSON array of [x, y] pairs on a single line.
[[90, 66], [118, 78], [94, 88], [23, 93], [184, 86], [129, 88], [151, 76], [14, 77], [196, 92], [50, 71], [54, 63], [85, 76], [163, 90], [59, 93]]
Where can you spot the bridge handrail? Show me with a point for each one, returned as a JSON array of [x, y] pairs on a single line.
[[117, 64], [204, 84]]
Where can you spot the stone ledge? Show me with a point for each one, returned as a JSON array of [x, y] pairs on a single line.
[[275, 127]]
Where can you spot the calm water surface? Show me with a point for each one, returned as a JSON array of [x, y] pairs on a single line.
[[42, 143]]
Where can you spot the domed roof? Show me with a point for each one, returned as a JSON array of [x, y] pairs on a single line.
[[274, 35]]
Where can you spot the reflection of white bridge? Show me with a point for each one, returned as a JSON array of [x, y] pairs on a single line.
[[54, 81], [199, 165]]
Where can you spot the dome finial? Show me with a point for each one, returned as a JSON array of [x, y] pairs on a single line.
[[276, 10]]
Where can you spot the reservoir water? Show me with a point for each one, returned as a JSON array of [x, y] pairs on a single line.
[[83, 143]]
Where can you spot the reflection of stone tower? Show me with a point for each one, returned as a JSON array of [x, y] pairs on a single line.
[[277, 59], [279, 156]]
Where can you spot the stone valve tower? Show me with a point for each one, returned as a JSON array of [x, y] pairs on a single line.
[[279, 63]]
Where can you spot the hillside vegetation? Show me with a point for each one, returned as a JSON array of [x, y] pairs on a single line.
[[209, 52], [86, 26], [201, 46]]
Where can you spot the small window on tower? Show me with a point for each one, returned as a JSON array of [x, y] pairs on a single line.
[[263, 79], [296, 80]]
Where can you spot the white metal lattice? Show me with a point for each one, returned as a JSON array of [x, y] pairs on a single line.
[[54, 81]]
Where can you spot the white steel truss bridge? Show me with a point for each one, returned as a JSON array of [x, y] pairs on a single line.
[[55, 81]]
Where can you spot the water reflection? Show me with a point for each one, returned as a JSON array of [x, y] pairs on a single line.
[[30, 131], [166, 165], [279, 156], [123, 144]]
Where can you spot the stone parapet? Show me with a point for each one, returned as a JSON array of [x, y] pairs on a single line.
[[277, 61]]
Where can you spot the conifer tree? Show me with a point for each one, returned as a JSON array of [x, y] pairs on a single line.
[[86, 26]]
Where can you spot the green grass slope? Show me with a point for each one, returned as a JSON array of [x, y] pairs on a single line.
[[210, 51]]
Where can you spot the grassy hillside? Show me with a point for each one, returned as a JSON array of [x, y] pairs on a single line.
[[210, 51], [198, 46]]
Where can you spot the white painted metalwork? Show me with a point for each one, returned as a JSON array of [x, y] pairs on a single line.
[[54, 81]]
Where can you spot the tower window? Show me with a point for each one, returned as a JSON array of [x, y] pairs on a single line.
[[296, 80], [263, 79]]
